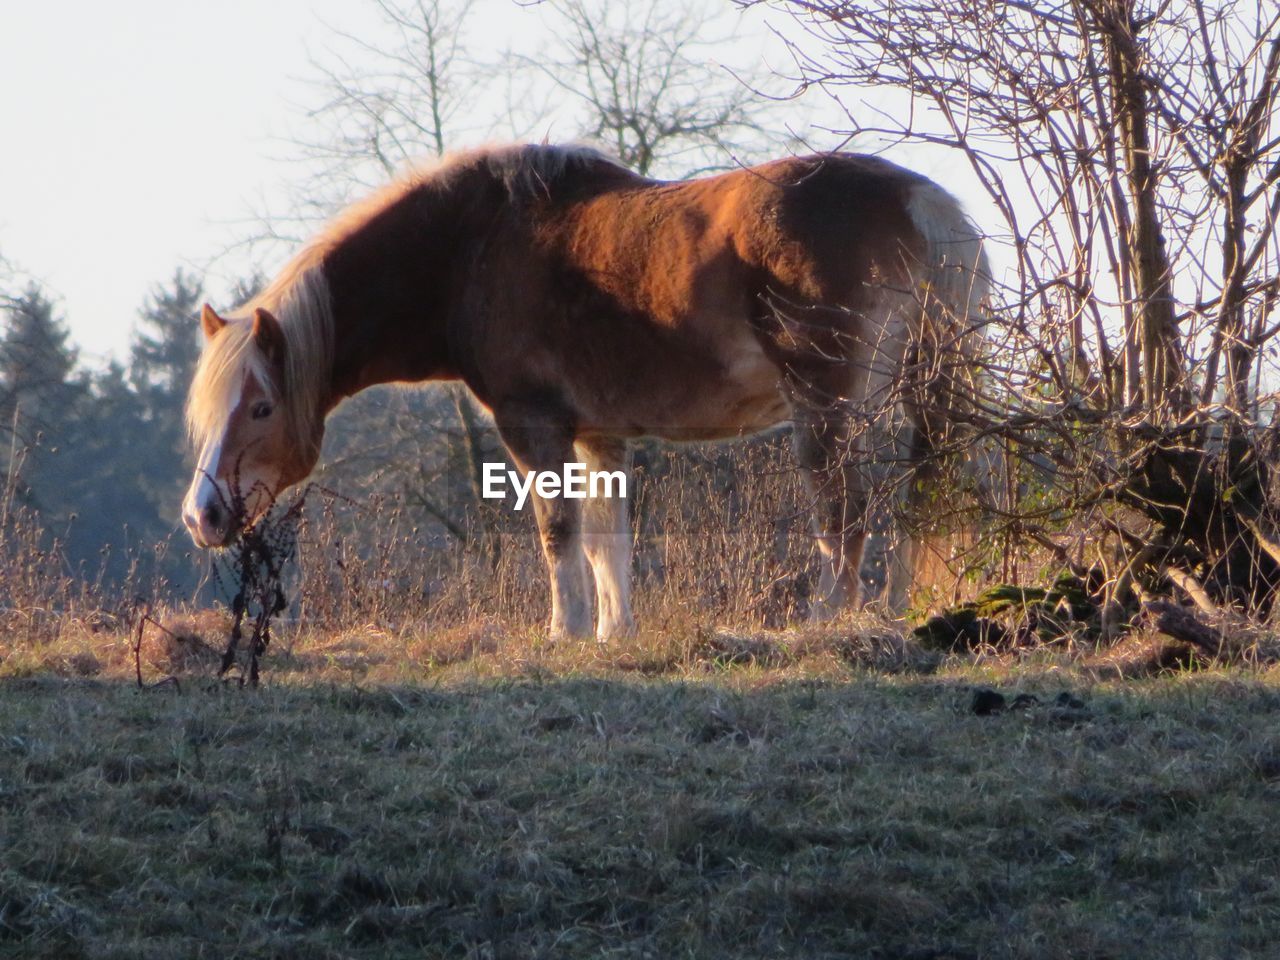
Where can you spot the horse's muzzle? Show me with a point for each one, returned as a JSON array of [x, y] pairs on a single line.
[[209, 526]]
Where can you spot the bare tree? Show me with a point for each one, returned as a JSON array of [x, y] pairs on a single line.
[[1130, 151], [388, 98], [648, 84]]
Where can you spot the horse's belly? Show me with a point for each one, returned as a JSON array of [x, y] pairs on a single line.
[[740, 394], [727, 412]]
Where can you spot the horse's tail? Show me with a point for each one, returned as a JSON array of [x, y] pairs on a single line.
[[952, 278]]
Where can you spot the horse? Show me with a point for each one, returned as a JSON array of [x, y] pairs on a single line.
[[584, 306]]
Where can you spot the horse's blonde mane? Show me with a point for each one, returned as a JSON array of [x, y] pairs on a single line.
[[299, 297]]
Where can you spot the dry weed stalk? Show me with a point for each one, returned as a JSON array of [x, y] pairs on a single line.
[[143, 617], [256, 567]]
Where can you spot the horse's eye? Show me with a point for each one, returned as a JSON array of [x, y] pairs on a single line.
[[261, 410]]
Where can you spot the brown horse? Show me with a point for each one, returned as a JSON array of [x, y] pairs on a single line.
[[584, 305]]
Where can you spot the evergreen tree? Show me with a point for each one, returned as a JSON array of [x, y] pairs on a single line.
[[102, 456], [40, 397], [166, 346], [103, 481], [38, 384]]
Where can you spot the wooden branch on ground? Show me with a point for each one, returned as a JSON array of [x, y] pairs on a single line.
[[1266, 542], [1181, 624], [1193, 589]]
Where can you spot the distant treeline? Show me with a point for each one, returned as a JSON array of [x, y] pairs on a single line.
[[99, 456]]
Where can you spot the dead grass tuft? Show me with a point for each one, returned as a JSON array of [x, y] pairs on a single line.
[[463, 643], [185, 644], [723, 648], [1143, 654]]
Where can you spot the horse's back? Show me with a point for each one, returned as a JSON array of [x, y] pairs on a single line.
[[662, 308]]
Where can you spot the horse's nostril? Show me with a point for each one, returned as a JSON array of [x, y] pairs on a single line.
[[213, 515]]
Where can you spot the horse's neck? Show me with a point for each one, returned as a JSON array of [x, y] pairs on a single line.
[[390, 282]]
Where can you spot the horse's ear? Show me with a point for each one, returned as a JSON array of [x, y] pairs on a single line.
[[210, 322], [268, 335]]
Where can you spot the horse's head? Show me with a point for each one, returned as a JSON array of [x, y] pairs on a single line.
[[243, 419]]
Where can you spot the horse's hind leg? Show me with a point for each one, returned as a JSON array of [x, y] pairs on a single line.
[[830, 460], [932, 407], [539, 436], [606, 537], [924, 475]]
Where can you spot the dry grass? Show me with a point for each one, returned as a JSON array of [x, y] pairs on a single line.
[[480, 793]]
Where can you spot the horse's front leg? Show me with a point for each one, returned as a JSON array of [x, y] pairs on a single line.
[[539, 437]]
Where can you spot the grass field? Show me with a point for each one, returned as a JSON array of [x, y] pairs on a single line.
[[481, 795]]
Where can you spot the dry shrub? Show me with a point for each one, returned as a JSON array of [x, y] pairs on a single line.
[[723, 531], [51, 612], [381, 562], [37, 592]]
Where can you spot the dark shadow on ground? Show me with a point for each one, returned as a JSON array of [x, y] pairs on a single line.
[[585, 817]]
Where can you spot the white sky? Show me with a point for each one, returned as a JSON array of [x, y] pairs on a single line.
[[145, 134], [134, 132]]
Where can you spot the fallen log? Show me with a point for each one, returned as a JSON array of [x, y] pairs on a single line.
[[1181, 624]]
